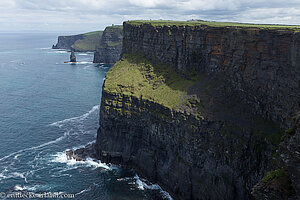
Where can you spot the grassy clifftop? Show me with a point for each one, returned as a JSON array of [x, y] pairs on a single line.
[[212, 24], [89, 42], [136, 76]]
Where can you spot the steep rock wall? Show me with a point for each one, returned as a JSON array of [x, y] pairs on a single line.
[[190, 158], [110, 47], [81, 43], [249, 86], [262, 64], [66, 42]]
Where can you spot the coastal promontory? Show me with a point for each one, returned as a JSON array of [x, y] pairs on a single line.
[[208, 110]]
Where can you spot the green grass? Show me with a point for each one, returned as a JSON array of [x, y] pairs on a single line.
[[93, 33], [114, 44], [274, 175], [136, 76], [89, 42], [279, 180], [115, 27], [212, 24]]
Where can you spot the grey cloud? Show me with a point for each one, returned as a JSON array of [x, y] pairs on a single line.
[[86, 15]]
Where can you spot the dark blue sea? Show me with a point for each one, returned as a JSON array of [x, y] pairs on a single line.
[[47, 107]]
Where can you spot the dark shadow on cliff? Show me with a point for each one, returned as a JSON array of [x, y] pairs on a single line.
[[207, 97]]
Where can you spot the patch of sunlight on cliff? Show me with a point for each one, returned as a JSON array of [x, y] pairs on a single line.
[[136, 76]]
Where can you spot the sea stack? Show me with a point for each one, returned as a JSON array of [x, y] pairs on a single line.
[[72, 57]]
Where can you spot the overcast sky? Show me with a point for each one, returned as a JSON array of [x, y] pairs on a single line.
[[76, 16]]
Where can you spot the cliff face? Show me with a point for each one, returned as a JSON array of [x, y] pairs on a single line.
[[261, 64], [211, 132], [110, 47], [290, 153], [81, 42], [66, 42]]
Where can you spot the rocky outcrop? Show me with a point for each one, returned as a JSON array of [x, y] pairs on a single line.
[[110, 47], [221, 140], [80, 43], [82, 154], [276, 185], [72, 57], [66, 42]]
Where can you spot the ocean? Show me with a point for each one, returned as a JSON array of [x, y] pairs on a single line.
[[47, 107]]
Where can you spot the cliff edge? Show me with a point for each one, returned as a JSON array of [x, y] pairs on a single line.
[[110, 47], [202, 108], [80, 43]]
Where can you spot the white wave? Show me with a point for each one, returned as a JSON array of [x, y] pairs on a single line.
[[29, 188], [45, 48], [82, 54], [141, 184], [36, 147], [84, 62], [20, 175], [58, 51], [37, 187], [124, 179], [86, 67], [79, 63], [16, 156], [2, 176], [82, 146], [83, 191], [19, 188], [90, 162], [61, 157], [79, 118]]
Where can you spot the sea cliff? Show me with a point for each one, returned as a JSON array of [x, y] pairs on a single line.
[[80, 43], [202, 108], [110, 47]]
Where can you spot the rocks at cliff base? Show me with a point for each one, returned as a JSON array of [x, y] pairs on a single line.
[[82, 154], [72, 57]]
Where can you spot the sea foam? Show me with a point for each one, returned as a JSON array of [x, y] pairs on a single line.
[[61, 157], [79, 118], [143, 184]]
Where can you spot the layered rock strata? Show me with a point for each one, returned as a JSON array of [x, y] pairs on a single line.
[[110, 47], [216, 136]]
